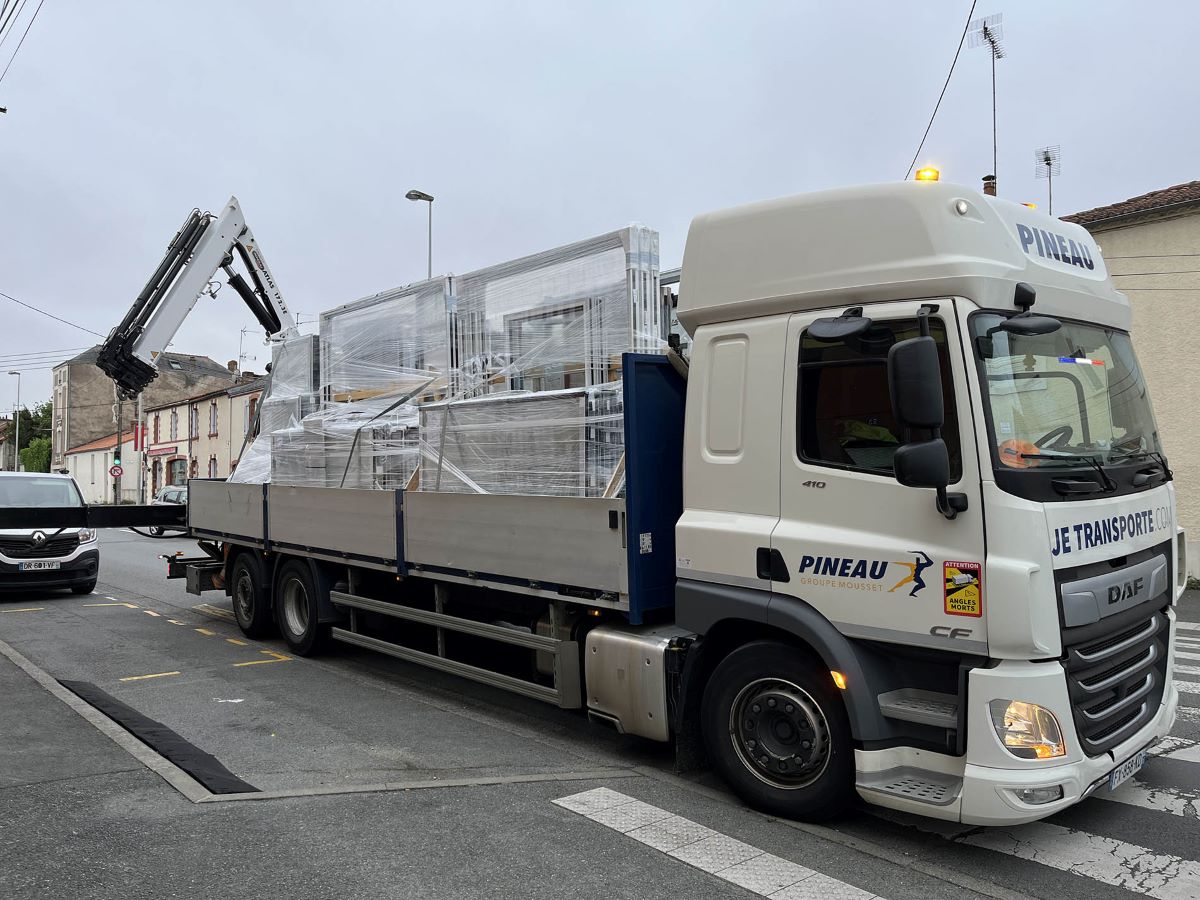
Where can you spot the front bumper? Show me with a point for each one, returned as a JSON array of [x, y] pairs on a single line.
[[993, 776], [81, 567]]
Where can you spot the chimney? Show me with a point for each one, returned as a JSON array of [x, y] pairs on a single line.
[[232, 366], [989, 185]]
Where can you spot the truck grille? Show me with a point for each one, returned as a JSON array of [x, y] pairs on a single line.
[[1116, 678], [23, 548]]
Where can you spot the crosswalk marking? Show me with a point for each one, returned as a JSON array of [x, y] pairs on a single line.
[[1179, 654], [1188, 626], [1103, 859], [1177, 748], [1188, 670], [710, 851], [1187, 687], [1160, 799]]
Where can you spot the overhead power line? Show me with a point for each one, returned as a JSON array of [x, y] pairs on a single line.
[[22, 40], [41, 353], [49, 315], [938, 105]]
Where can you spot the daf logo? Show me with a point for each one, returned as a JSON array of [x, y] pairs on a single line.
[[39, 540], [1126, 590], [947, 632]]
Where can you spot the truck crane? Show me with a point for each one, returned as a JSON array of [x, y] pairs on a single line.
[[204, 244]]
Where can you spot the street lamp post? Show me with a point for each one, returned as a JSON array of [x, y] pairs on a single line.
[[17, 416], [414, 194]]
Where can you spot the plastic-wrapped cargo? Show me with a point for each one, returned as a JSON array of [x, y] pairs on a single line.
[[503, 380], [537, 344]]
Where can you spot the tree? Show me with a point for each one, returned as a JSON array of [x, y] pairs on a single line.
[[35, 423], [36, 456]]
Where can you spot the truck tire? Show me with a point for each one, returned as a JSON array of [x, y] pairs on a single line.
[[251, 604], [776, 730], [297, 611]]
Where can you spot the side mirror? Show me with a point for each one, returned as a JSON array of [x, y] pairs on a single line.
[[1028, 324], [915, 383], [925, 464]]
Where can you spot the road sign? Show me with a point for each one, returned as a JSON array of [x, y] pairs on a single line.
[[116, 471]]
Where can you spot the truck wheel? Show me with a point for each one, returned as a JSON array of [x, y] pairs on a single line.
[[296, 609], [251, 606], [776, 730]]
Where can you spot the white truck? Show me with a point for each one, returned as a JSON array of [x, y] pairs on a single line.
[[902, 529]]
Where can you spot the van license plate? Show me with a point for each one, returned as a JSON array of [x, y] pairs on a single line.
[[40, 565], [1126, 770]]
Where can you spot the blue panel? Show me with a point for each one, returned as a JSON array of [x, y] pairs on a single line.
[[654, 401]]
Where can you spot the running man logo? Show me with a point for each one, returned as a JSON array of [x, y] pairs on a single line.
[[913, 577]]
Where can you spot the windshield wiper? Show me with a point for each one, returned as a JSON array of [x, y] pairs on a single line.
[[1105, 480]]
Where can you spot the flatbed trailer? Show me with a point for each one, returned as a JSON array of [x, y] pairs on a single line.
[[612, 556]]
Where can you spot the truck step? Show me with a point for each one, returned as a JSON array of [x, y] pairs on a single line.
[[923, 707], [917, 785]]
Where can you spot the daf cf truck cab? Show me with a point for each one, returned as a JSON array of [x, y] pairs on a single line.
[[918, 442]]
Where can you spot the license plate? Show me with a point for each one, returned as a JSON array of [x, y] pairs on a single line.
[[1126, 770], [40, 565]]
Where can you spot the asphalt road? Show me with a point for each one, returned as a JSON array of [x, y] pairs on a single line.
[[381, 779]]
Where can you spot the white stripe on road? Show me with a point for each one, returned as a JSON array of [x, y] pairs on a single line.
[[1103, 859], [1158, 799], [1190, 713], [1177, 748], [1188, 626], [1187, 687], [1188, 670], [1179, 654], [710, 851]]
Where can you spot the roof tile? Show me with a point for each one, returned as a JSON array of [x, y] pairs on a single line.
[[1188, 192]]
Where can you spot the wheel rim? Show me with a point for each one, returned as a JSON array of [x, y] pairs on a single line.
[[295, 607], [780, 733], [243, 597]]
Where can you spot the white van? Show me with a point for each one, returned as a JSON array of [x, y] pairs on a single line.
[[41, 558]]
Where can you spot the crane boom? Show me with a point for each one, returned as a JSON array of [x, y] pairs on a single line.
[[204, 244]]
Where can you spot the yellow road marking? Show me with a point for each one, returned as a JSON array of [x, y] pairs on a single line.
[[25, 609], [151, 612], [210, 610], [278, 657], [206, 632], [236, 641], [143, 677], [119, 602]]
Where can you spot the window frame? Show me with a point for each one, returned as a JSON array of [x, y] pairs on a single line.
[[949, 397]]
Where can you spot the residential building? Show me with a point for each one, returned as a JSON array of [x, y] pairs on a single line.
[[83, 396], [1151, 245], [8, 446], [201, 436], [89, 465]]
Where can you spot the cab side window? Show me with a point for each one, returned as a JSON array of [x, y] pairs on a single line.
[[845, 419]]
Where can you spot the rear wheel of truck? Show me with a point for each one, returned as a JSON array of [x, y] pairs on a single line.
[[777, 731], [251, 605], [297, 609]]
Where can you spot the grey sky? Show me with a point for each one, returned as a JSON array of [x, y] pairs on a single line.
[[533, 124]]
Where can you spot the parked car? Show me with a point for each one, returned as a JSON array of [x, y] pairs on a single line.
[[170, 495], [34, 558]]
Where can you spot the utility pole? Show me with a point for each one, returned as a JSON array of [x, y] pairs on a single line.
[[17, 419]]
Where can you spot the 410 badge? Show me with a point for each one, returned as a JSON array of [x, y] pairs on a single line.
[[964, 588]]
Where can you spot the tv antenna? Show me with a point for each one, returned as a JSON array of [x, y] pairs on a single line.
[[1049, 164], [987, 32]]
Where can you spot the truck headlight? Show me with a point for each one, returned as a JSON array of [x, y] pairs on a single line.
[[1027, 730], [87, 535]]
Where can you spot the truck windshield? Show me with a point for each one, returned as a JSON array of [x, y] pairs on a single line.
[[45, 493], [1065, 398]]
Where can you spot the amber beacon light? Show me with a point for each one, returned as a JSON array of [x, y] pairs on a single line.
[[928, 173]]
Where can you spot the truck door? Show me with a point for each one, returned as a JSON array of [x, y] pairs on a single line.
[[874, 557]]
